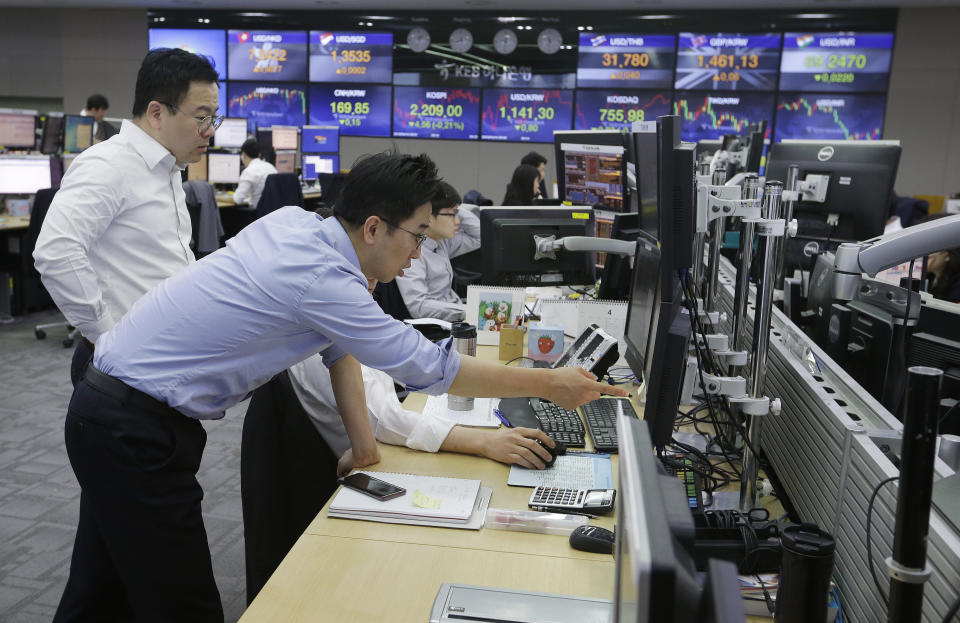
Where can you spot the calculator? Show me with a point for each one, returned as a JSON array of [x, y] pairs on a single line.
[[562, 499]]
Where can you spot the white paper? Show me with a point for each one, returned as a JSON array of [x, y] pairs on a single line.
[[474, 523], [571, 471], [457, 497], [481, 415]]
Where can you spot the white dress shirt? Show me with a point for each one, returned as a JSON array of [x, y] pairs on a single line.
[[426, 287], [118, 226], [391, 423], [252, 180]]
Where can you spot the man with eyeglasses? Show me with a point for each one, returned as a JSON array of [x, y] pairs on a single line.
[[426, 287], [288, 286], [119, 223]]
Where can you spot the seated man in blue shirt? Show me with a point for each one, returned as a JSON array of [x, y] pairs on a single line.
[[288, 286]]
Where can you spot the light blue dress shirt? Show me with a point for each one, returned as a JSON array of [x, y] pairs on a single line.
[[286, 287]]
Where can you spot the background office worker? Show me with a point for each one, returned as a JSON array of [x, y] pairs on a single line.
[[119, 223], [96, 107], [254, 175], [287, 286], [537, 160], [426, 287], [524, 186]]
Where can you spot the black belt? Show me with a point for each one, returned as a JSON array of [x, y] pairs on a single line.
[[117, 389]]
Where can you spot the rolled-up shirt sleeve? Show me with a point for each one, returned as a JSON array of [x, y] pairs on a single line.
[[81, 211], [338, 306]]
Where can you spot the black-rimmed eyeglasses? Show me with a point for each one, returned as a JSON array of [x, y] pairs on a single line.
[[420, 237], [203, 123]]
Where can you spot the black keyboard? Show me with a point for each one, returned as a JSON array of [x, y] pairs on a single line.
[[601, 418], [561, 424], [682, 468]]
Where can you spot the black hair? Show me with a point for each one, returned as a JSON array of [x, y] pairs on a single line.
[[268, 153], [520, 188], [251, 147], [447, 197], [945, 285], [165, 76], [389, 185], [97, 102], [533, 159]]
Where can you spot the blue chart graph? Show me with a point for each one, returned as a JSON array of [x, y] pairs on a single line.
[[830, 116]]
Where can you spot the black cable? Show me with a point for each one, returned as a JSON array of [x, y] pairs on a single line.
[[873, 572], [517, 359], [952, 612]]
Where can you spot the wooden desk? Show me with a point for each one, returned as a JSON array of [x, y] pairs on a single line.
[[14, 223], [227, 201]]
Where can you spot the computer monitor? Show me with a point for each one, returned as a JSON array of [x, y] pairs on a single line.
[[286, 161], [591, 168], [223, 168], [320, 139], [67, 161], [198, 170], [616, 278], [508, 250], [52, 137], [721, 601], [861, 176], [676, 182], [936, 343], [656, 335], [24, 175], [644, 158], [77, 133], [284, 137], [656, 580], [314, 165], [264, 137], [232, 133], [18, 130]]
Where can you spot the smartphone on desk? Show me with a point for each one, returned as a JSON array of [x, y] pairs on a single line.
[[374, 487]]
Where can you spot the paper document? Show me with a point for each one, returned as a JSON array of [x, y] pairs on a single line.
[[571, 470], [449, 498], [443, 324], [481, 415], [475, 522]]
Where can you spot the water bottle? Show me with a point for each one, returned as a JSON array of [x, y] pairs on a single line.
[[806, 565], [464, 342]]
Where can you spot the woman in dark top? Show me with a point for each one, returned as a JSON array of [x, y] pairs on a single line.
[[523, 187], [945, 267]]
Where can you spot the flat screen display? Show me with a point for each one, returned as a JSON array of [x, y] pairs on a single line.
[[593, 174], [286, 161], [351, 56], [431, 112], [265, 105], [77, 133], [830, 116], [728, 62], [618, 109], [626, 60], [525, 114], [24, 176], [359, 110], [315, 139], [209, 43], [836, 62], [273, 55], [314, 164], [18, 130], [232, 133], [223, 168], [284, 137], [710, 115]]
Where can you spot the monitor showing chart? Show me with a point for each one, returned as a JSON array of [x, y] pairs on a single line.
[[223, 168], [17, 131], [231, 134]]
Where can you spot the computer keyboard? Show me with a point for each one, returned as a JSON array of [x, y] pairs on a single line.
[[601, 418], [682, 468], [561, 424]]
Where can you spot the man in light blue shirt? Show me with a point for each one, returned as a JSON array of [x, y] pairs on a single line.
[[288, 286]]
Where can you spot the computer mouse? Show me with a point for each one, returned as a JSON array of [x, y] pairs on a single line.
[[558, 449], [592, 539]]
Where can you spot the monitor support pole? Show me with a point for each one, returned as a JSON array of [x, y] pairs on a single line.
[[790, 198], [699, 241], [751, 190], [713, 257], [770, 229]]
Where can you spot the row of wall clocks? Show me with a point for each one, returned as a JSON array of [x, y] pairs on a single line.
[[505, 41]]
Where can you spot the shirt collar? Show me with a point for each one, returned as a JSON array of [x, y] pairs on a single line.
[[430, 245], [336, 236], [152, 152]]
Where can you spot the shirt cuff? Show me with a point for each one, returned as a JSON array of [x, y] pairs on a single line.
[[93, 330], [428, 434], [451, 367]]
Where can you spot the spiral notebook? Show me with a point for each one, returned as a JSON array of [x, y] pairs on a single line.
[[428, 498], [491, 307]]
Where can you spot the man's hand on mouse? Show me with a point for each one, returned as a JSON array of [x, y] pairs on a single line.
[[519, 446]]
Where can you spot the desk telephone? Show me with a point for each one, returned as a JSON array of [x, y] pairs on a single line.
[[594, 350]]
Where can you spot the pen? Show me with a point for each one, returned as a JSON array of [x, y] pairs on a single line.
[[502, 418]]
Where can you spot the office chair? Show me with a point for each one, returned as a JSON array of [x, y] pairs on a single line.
[[32, 294], [388, 297], [279, 190], [206, 228]]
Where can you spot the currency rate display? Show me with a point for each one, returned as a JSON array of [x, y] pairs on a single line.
[[351, 56], [726, 62], [209, 43], [830, 116], [626, 60], [265, 105], [835, 62], [267, 55], [618, 110], [708, 115], [428, 112], [359, 110], [525, 114]]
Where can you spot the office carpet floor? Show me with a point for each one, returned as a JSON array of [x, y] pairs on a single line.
[[39, 495]]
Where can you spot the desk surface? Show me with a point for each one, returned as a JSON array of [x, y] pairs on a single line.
[[225, 200], [352, 570], [14, 223]]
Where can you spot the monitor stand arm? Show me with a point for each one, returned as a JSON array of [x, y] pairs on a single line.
[[547, 246]]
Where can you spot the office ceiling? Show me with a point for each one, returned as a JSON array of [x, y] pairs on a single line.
[[664, 6]]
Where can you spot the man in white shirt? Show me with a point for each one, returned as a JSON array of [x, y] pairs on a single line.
[[119, 223], [96, 107], [426, 285], [254, 175]]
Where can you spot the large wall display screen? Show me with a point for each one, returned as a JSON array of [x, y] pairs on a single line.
[[359, 110], [836, 61], [266, 105], [626, 60], [351, 56], [829, 116], [432, 112], [728, 62], [618, 109], [209, 43], [710, 115], [267, 55], [525, 114]]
